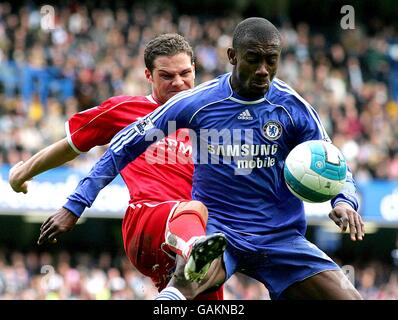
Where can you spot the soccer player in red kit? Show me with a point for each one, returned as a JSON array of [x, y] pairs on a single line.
[[160, 220]]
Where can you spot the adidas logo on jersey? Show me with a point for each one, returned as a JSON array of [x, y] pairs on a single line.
[[245, 115]]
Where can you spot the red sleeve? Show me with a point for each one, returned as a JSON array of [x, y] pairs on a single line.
[[98, 125]]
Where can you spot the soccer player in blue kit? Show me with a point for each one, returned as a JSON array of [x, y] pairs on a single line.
[[258, 119]]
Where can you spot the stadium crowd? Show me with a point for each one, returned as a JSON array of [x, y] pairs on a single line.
[[83, 276], [44, 276], [350, 77]]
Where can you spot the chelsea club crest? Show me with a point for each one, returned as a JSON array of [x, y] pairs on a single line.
[[272, 130]]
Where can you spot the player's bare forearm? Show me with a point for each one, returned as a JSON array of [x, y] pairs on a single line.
[[51, 157], [345, 216], [60, 222]]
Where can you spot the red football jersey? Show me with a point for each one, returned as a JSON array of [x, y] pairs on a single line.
[[163, 172]]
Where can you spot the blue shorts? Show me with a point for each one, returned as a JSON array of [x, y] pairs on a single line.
[[277, 264]]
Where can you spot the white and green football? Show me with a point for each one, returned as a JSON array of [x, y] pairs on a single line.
[[315, 171]]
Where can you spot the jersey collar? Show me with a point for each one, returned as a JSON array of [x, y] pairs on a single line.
[[152, 99]]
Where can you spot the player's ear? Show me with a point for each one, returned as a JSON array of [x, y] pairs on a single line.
[[193, 70], [231, 52], [148, 75]]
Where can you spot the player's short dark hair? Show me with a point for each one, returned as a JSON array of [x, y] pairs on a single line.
[[256, 28], [168, 44]]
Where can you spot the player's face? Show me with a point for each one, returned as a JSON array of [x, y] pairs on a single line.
[[171, 75], [255, 65]]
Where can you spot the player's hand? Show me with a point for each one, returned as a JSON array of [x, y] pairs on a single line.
[[16, 184], [61, 221], [345, 216]]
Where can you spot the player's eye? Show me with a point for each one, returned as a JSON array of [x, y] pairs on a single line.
[[166, 76], [252, 59], [272, 60], [186, 73]]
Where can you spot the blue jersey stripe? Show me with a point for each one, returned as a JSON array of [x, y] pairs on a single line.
[[309, 108], [124, 134], [280, 106], [179, 96], [206, 105], [118, 146], [168, 104]]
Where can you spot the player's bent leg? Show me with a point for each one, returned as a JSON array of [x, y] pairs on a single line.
[[185, 225], [144, 229], [327, 285], [143, 237], [186, 236]]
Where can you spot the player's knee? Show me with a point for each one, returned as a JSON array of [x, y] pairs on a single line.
[[199, 207], [195, 206]]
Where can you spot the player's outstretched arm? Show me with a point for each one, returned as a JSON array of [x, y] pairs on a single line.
[[61, 221], [345, 206], [48, 158]]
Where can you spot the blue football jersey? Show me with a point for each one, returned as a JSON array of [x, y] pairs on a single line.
[[239, 145]]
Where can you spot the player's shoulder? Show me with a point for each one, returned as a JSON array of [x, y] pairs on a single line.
[[204, 93], [281, 93], [116, 101]]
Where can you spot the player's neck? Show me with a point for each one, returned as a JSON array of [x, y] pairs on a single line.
[[238, 93], [155, 99]]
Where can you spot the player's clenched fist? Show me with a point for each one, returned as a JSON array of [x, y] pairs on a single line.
[[17, 184]]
